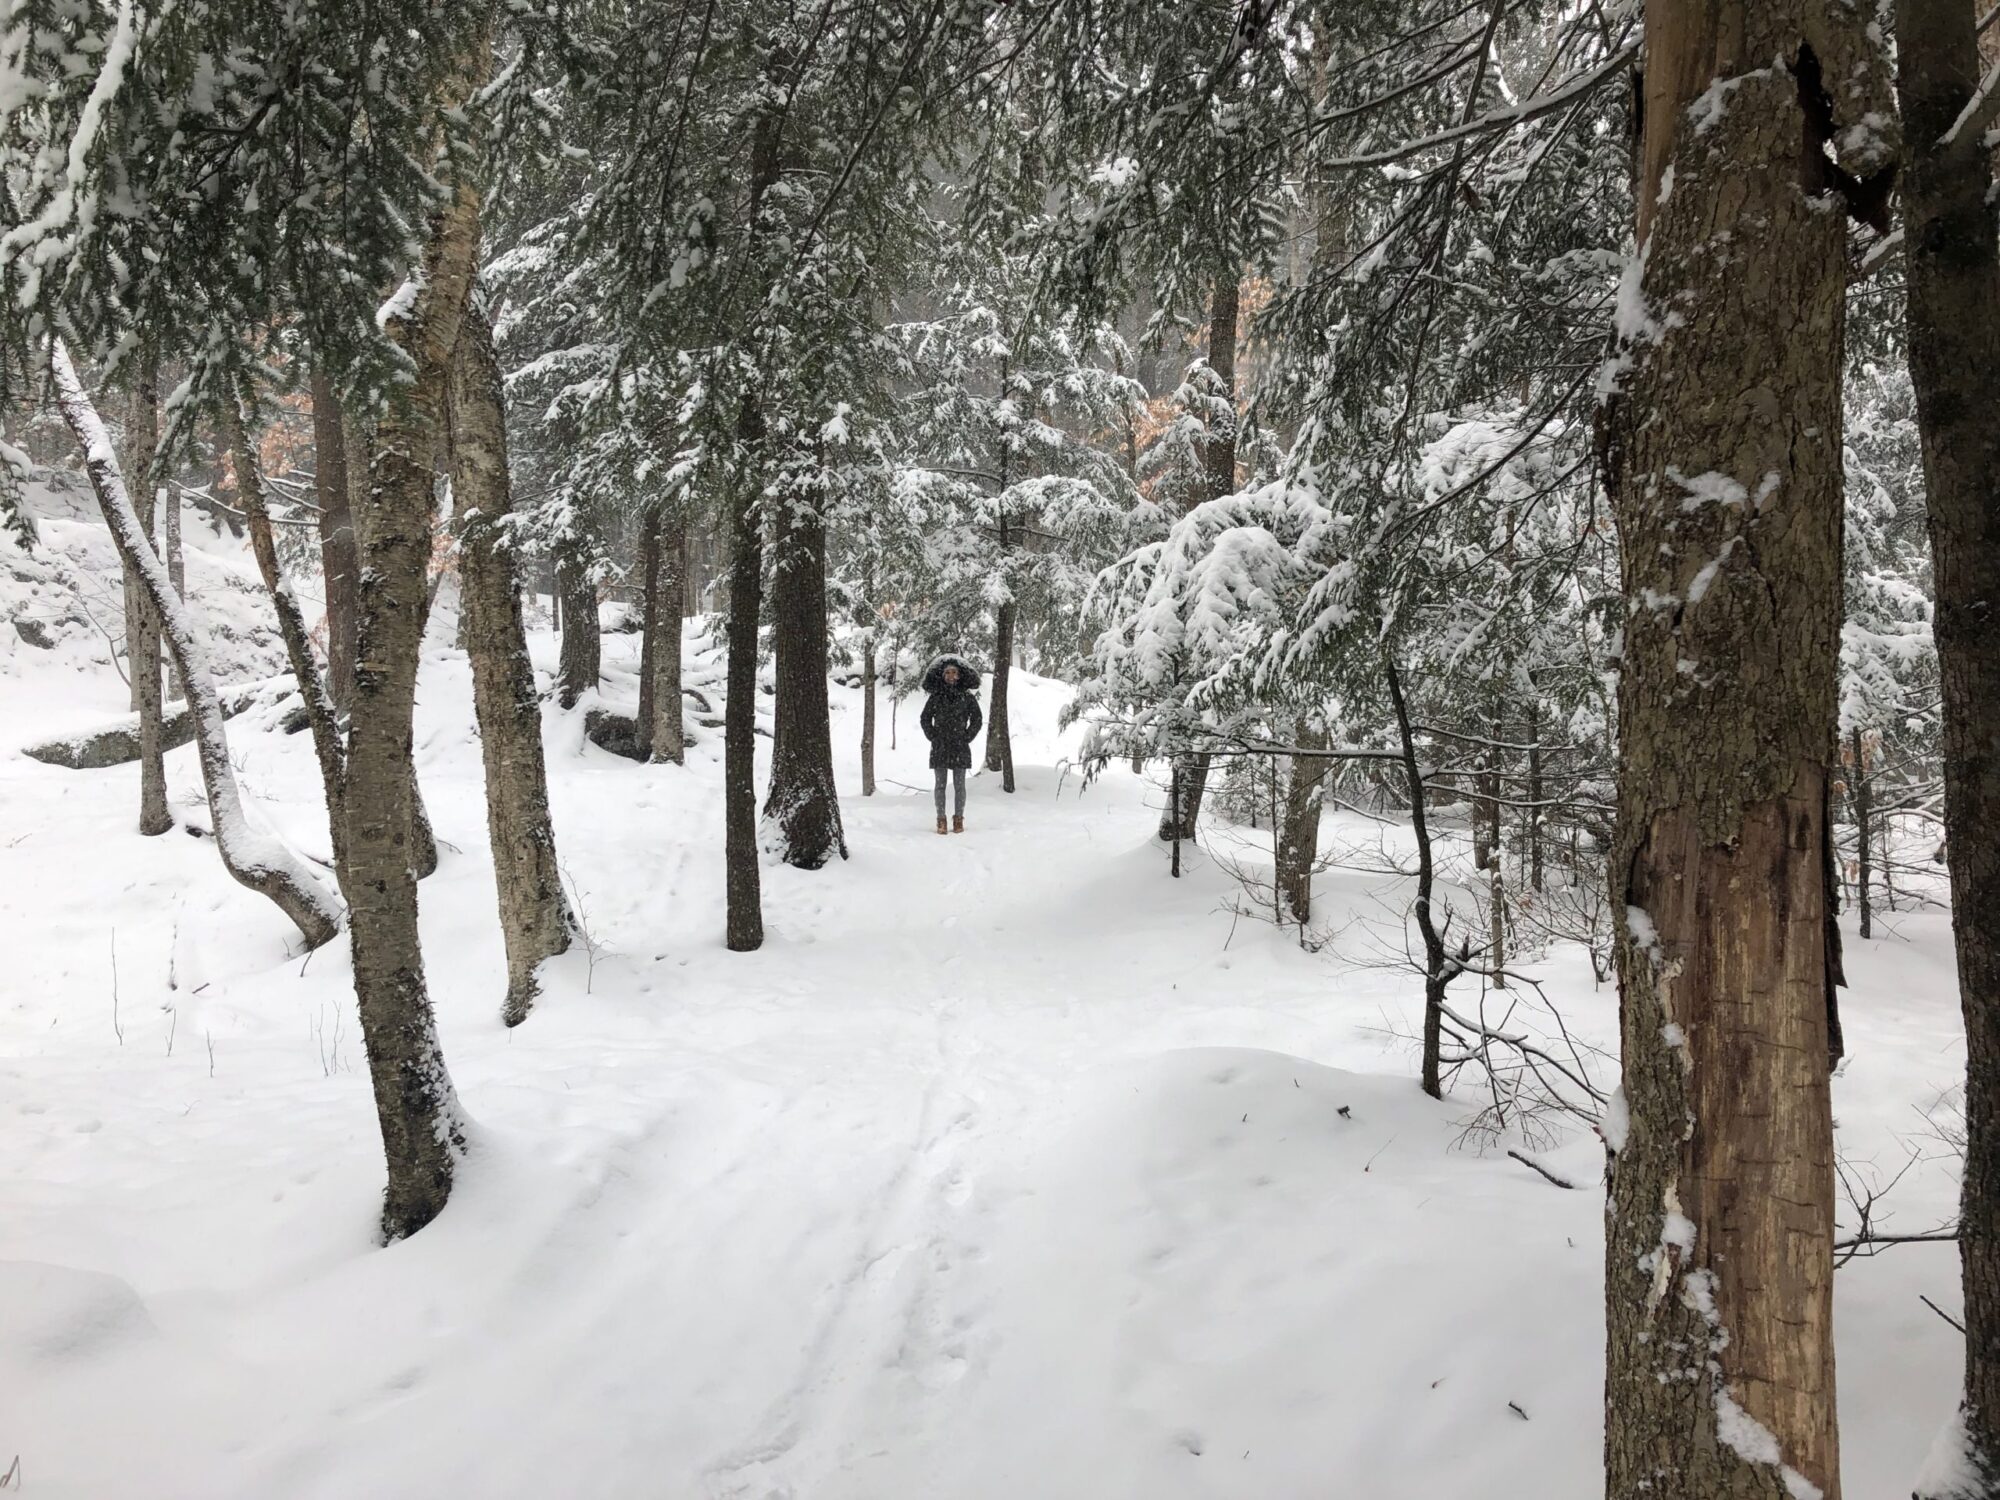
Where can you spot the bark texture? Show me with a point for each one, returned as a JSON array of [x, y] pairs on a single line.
[[803, 801], [534, 917], [143, 627], [1723, 458], [1954, 339], [336, 538], [1298, 833], [999, 736], [662, 727], [868, 718], [744, 880], [423, 1129]]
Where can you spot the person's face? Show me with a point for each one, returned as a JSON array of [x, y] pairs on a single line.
[[951, 676]]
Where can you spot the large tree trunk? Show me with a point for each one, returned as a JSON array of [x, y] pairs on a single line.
[[142, 620], [336, 538], [1724, 463], [803, 800], [1954, 338], [663, 731], [423, 1128], [745, 900], [1298, 834], [257, 861], [534, 918], [582, 650]]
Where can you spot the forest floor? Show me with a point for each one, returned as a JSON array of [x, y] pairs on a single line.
[[1010, 1167]]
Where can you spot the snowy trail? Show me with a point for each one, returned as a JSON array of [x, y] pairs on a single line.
[[1008, 1168]]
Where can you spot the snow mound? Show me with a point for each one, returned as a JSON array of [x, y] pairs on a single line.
[[53, 1313]]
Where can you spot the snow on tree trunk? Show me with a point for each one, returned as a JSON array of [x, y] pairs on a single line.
[[143, 627], [336, 538], [803, 801], [1954, 340], [534, 917], [423, 1128], [1728, 492], [254, 859]]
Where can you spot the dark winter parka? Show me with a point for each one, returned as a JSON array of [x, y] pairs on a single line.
[[951, 718]]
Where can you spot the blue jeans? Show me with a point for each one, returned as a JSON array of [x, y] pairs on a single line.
[[958, 790]]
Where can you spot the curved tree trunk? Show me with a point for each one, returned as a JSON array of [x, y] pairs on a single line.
[[143, 620], [582, 650], [257, 861], [336, 539], [1718, 1246], [1953, 255], [803, 801], [534, 918], [1298, 834], [423, 1128]]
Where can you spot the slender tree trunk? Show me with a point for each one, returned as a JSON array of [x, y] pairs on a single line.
[[336, 538], [255, 860], [803, 801], [1953, 256], [582, 651], [423, 1128], [1298, 834], [1534, 819], [534, 917], [739, 714], [665, 733], [143, 629], [1718, 1271], [320, 714], [1864, 818], [1437, 970], [1496, 875], [999, 734], [1183, 811], [868, 716], [649, 629]]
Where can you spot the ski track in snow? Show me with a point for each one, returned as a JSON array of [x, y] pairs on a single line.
[[1005, 1169]]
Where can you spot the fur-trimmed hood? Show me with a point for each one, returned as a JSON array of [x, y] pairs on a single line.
[[968, 674]]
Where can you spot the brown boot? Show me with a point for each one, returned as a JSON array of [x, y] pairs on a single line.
[[958, 824], [940, 822]]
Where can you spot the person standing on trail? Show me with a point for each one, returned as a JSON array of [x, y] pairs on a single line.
[[950, 722]]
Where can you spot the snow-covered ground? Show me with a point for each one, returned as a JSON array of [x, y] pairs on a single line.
[[1008, 1168]]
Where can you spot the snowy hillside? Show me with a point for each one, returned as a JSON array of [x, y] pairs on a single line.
[[1009, 1167]]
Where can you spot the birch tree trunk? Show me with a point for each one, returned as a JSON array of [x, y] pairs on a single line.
[[1723, 459], [534, 917], [142, 619], [1954, 337], [257, 861], [423, 1127]]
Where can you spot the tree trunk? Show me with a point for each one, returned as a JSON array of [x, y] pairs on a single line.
[[868, 716], [143, 621], [739, 714], [534, 917], [999, 737], [1719, 1275], [1437, 970], [664, 734], [582, 651], [649, 629], [1298, 834], [1864, 817], [1183, 811], [320, 715], [423, 1128], [1954, 337], [1533, 821], [803, 801], [255, 860], [336, 538]]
